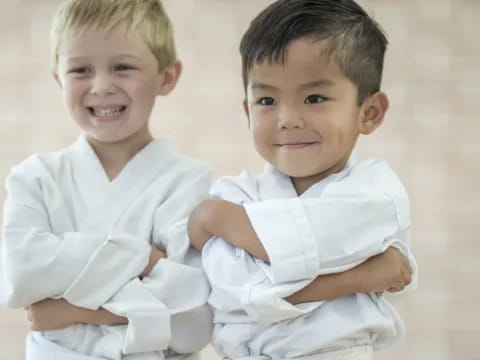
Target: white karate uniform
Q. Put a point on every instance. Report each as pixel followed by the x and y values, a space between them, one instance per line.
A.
pixel 335 225
pixel 69 232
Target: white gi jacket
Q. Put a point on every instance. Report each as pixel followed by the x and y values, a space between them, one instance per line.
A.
pixel 71 232
pixel 335 225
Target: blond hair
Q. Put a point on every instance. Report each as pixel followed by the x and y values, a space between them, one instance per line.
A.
pixel 146 16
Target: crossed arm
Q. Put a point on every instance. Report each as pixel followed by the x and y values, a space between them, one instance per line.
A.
pixel 51 314
pixel 389 271
pixel 30 233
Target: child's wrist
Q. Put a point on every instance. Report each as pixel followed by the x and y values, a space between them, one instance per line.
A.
pixel 355 280
pixel 76 314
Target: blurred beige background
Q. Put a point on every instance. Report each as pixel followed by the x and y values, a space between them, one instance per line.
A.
pixel 430 137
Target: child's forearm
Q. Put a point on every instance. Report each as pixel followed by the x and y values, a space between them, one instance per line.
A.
pixel 326 287
pixel 51 314
pixel 98 317
pixel 388 271
pixel 230 222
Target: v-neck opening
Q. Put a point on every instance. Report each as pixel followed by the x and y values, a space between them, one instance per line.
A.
pixel 274 183
pixel 100 194
pixel 125 169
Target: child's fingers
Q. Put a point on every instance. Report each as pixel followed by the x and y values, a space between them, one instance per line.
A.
pixel 407 276
pixel 406 265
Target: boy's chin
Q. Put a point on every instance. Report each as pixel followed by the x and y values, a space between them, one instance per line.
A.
pixel 309 173
pixel 105 138
pixel 133 136
pixel 297 172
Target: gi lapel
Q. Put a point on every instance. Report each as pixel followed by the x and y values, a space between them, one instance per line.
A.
pixel 105 200
pixel 273 184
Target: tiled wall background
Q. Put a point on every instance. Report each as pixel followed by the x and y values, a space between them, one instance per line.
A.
pixel 430 137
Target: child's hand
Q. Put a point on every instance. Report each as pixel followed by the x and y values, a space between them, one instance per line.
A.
pixel 389 271
pixel 197 232
pixel 51 314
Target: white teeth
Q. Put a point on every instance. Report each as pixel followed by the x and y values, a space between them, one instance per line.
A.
pixel 108 112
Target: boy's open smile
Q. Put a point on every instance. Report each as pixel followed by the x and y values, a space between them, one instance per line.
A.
pixel 106 114
pixel 110 80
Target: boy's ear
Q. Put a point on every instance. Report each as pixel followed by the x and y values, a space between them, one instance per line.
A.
pixel 373 112
pixel 169 77
pixel 57 79
pixel 247 111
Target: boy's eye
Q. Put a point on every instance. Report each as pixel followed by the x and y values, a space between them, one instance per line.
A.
pixel 267 101
pixel 80 70
pixel 314 99
pixel 123 67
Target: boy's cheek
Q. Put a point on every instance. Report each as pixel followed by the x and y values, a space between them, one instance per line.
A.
pixel 72 90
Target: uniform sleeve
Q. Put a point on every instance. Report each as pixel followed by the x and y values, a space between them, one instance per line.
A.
pixel 241 285
pixel 306 238
pixel 335 232
pixel 264 301
pixel 350 222
pixel 37 264
pixel 168 308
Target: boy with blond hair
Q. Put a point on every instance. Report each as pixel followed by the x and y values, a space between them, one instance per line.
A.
pixel 312 71
pixel 94 238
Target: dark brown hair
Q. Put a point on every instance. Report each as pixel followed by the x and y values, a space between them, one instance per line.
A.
pixel 351 37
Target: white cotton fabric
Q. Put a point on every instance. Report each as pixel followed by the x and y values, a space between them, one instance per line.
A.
pixel 356 353
pixel 71 232
pixel 335 225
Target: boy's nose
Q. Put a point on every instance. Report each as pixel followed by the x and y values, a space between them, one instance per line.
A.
pixel 102 85
pixel 290 117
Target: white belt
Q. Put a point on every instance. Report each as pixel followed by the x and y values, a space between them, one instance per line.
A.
pixel 356 353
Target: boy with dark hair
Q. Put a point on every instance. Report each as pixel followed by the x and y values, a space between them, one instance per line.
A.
pixel 312 71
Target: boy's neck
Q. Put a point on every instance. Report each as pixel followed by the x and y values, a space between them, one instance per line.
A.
pixel 302 184
pixel 114 156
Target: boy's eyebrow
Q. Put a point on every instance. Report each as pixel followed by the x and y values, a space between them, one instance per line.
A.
pixel 310 85
pixel 318 84
pixel 81 58
pixel 261 86
pixel 75 58
pixel 127 56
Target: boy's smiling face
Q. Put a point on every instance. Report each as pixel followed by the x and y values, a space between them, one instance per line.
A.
pixel 109 81
pixel 304 116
